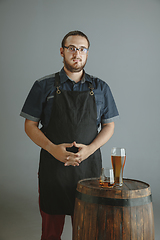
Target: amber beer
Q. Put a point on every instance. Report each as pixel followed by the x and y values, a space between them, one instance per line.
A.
pixel 106 183
pixel 118 163
pixel 106 178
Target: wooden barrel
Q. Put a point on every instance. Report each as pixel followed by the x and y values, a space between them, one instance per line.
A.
pixel 120 213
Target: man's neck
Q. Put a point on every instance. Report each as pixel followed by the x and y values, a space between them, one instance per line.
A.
pixel 75 76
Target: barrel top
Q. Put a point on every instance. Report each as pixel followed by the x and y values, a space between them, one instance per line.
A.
pixel 128 184
pixel 131 187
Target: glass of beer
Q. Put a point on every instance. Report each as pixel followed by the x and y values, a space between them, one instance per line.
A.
pixel 118 159
pixel 107 177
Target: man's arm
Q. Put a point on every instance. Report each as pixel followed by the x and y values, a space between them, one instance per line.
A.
pixel 58 151
pixel 103 137
pixel 86 150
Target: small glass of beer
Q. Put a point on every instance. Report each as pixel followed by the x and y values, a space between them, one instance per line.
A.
pixel 107 177
pixel 118 159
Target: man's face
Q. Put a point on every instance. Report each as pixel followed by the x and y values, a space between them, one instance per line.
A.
pixel 74 62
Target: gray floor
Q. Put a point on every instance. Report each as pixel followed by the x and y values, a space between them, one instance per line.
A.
pixel 20 220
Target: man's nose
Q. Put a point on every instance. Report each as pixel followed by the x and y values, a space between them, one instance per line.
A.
pixel 77 52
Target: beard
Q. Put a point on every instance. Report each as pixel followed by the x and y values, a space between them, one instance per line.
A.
pixel 75 68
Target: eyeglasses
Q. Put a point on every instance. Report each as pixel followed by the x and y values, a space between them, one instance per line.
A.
pixel 72 49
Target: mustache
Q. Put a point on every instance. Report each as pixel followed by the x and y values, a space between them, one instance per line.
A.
pixel 75 58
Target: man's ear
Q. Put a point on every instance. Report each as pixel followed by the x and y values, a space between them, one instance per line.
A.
pixel 61 52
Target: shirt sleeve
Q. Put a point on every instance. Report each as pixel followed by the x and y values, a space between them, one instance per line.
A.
pixel 110 111
pixel 32 108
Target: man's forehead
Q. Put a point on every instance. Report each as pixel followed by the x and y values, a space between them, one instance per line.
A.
pixel 77 41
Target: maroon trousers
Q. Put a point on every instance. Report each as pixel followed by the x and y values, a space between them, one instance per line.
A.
pixel 52 226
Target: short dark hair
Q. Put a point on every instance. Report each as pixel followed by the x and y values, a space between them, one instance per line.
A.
pixel 74 33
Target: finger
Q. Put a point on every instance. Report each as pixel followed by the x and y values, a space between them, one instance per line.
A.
pixel 75 144
pixel 77 158
pixel 75 164
pixel 68 163
pixel 68 145
pixel 73 158
pixel 72 155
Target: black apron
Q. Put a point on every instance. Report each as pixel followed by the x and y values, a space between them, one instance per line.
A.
pixel 73 118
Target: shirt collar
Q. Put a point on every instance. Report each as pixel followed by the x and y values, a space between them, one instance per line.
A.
pixel 64 77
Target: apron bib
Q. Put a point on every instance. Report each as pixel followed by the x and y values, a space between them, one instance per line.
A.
pixel 73 118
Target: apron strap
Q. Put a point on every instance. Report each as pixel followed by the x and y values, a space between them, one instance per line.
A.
pixel 57 84
pixel 91 89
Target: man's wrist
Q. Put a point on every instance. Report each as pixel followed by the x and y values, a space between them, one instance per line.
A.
pixel 49 147
pixel 92 148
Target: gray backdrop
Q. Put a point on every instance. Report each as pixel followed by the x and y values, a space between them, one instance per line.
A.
pixel 125 52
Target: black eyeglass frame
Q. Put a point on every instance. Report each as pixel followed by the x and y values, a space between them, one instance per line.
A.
pixel 85 50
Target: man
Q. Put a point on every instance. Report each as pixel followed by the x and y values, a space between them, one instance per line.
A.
pixel 70 105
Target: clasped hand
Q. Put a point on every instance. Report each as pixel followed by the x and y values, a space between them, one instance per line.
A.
pixel 70 158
